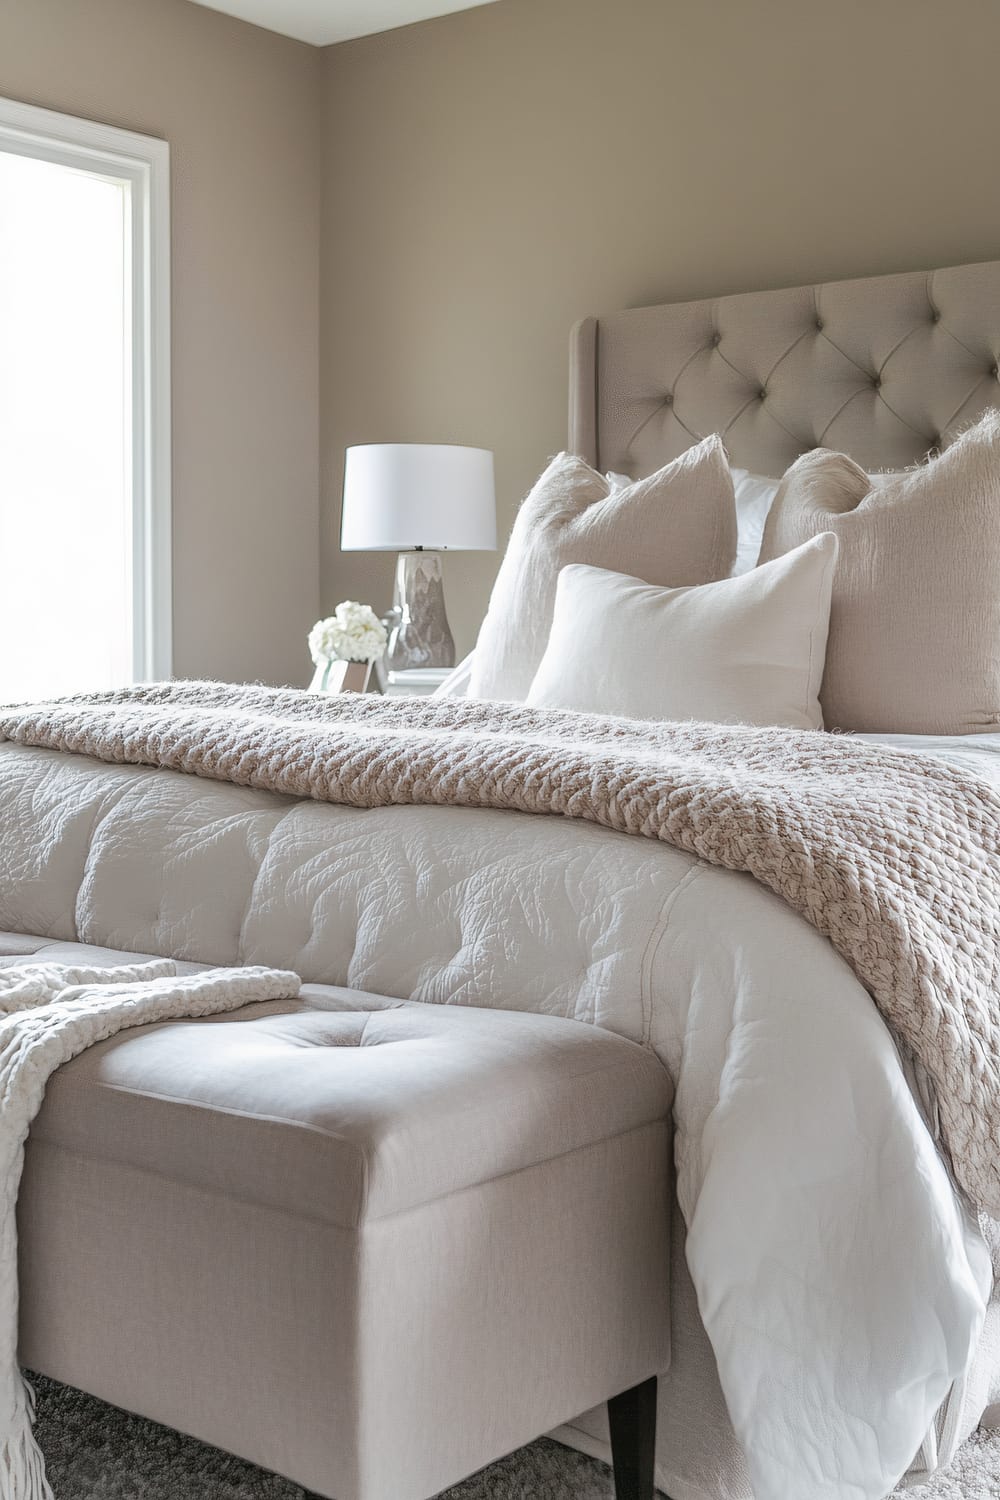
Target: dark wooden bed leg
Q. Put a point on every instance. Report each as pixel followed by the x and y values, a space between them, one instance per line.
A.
pixel 632 1419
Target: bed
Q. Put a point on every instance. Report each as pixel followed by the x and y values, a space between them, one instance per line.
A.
pixel 814 1284
pixel 778 373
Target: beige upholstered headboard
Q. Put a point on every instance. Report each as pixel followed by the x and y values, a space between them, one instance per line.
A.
pixel 886 369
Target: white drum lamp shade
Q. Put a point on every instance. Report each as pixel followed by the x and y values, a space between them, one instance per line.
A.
pixel 418 499
pixel 401 496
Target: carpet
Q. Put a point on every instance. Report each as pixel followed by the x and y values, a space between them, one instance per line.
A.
pixel 96 1452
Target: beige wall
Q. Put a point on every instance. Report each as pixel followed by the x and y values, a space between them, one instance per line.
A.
pixel 240 108
pixel 492 176
pixel 486 179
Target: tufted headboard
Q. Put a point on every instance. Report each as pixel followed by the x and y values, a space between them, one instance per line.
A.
pixel 886 369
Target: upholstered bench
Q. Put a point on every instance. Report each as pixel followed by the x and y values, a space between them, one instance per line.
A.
pixel 371 1249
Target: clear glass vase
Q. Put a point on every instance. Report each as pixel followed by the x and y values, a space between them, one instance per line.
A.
pixel 341 677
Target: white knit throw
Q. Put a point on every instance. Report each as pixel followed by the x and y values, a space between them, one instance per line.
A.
pixel 49 1013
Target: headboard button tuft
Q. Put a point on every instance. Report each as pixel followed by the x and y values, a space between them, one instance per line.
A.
pixel 819 325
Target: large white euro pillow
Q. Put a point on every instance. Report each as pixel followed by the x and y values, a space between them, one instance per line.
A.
pixel 743 650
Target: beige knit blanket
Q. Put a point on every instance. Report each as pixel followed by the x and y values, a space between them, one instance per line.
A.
pixel 895 857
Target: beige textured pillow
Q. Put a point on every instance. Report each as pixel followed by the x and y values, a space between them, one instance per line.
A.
pixel 676 527
pixel 914 642
pixel 745 650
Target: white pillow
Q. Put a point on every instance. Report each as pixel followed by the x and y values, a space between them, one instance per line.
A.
pixel 746 650
pixel 754 497
pixel 456 684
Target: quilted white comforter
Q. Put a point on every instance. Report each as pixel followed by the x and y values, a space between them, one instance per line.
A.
pixel 840 1279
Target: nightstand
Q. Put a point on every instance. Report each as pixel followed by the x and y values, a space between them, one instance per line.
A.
pixel 418 682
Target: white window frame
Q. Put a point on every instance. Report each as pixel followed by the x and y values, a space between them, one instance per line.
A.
pixel 143 162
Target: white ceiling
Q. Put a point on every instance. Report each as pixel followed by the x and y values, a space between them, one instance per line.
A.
pixel 324 21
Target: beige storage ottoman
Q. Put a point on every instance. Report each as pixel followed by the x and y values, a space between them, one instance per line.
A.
pixel 371 1250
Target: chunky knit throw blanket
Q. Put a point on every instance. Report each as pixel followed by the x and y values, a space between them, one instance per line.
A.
pixel 49 1013
pixel 895 857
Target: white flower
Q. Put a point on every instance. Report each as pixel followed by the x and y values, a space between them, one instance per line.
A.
pixel 353 632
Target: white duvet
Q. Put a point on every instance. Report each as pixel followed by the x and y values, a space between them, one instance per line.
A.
pixel 842 1283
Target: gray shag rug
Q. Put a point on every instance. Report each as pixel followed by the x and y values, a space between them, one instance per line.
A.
pixel 96 1452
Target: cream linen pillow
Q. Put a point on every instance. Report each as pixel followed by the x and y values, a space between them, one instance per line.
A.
pixel 676 527
pixel 745 650
pixel 915 623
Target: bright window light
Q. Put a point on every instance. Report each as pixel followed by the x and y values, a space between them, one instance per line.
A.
pixel 65 501
pixel 84 405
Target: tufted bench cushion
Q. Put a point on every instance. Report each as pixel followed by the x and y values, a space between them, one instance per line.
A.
pixel 350 1244
pixel 350 1116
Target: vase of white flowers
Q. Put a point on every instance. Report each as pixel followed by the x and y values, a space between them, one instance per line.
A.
pixel 343 648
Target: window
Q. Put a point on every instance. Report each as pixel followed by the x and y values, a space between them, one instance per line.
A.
pixel 84 405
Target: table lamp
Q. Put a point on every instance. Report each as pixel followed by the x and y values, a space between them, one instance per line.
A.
pixel 418 499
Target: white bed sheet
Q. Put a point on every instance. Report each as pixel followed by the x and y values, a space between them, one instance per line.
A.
pixel 851 1259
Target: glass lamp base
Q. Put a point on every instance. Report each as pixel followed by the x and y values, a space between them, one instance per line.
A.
pixel 422 637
